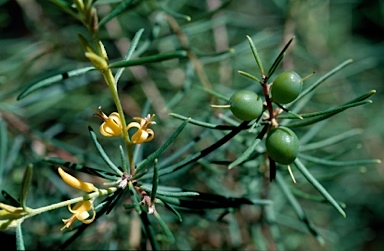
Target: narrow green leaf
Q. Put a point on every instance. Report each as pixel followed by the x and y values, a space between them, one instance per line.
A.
pixel 105 2
pixel 85 44
pixel 149 230
pixel 202 123
pixel 155 181
pixel 256 55
pixel 25 186
pixel 297 208
pixel 129 206
pixel 195 157
pixel 331 140
pixel 159 151
pixel 279 58
pixel 204 152
pixel 19 238
pixel 168 233
pixel 235 235
pixel 173 210
pixel 171 200
pixel 248 75
pixel 362 97
pixel 66 7
pixel 182 150
pixel 114 199
pixel 326 115
pixel 134 198
pixel 323 78
pixel 213 93
pixel 13 153
pixel 123 159
pixel 213 56
pixel 258 237
pixel 318 186
pixel 85 169
pixel 129 53
pixel 247 153
pixel 307 196
pixel 326 162
pixel 116 11
pixel 214 201
pixel 150 59
pixel 45 82
pixel 173 13
pixel 9 199
pixel 294 115
pixel 102 153
pixel 160 190
pixel 328 112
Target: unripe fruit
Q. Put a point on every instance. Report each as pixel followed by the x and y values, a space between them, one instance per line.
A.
pixel 286 87
pixel 282 145
pixel 246 105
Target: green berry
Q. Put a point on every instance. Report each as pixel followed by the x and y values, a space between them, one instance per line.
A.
pixel 282 145
pixel 286 87
pixel 246 105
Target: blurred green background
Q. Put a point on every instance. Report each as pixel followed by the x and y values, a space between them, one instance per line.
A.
pixel 37 39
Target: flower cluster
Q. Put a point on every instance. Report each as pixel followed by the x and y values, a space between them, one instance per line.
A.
pixel 143 133
pixel 80 210
pixel 112 127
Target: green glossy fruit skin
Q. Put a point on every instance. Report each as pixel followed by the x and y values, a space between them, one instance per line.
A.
pixel 282 145
pixel 286 87
pixel 246 105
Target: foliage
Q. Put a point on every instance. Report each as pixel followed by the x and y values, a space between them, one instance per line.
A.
pixel 112 97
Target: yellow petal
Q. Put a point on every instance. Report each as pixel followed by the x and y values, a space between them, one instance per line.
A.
pixel 139 137
pixel 88 221
pixel 133 124
pixel 105 131
pixel 82 215
pixel 76 183
pixel 112 126
pixel 116 118
pixel 151 135
pixel 110 130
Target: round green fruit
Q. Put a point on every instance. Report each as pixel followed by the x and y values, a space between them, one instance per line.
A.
pixel 286 87
pixel 246 105
pixel 282 145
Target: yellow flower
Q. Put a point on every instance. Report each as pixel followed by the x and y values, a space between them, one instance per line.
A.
pixel 143 133
pixel 80 212
pixel 76 183
pixel 112 125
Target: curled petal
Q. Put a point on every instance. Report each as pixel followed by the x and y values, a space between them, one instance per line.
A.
pixel 109 130
pixel 76 183
pixel 115 118
pixel 143 133
pixel 112 125
pixel 89 221
pixel 80 212
pixel 150 136
pixel 133 124
pixel 139 137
